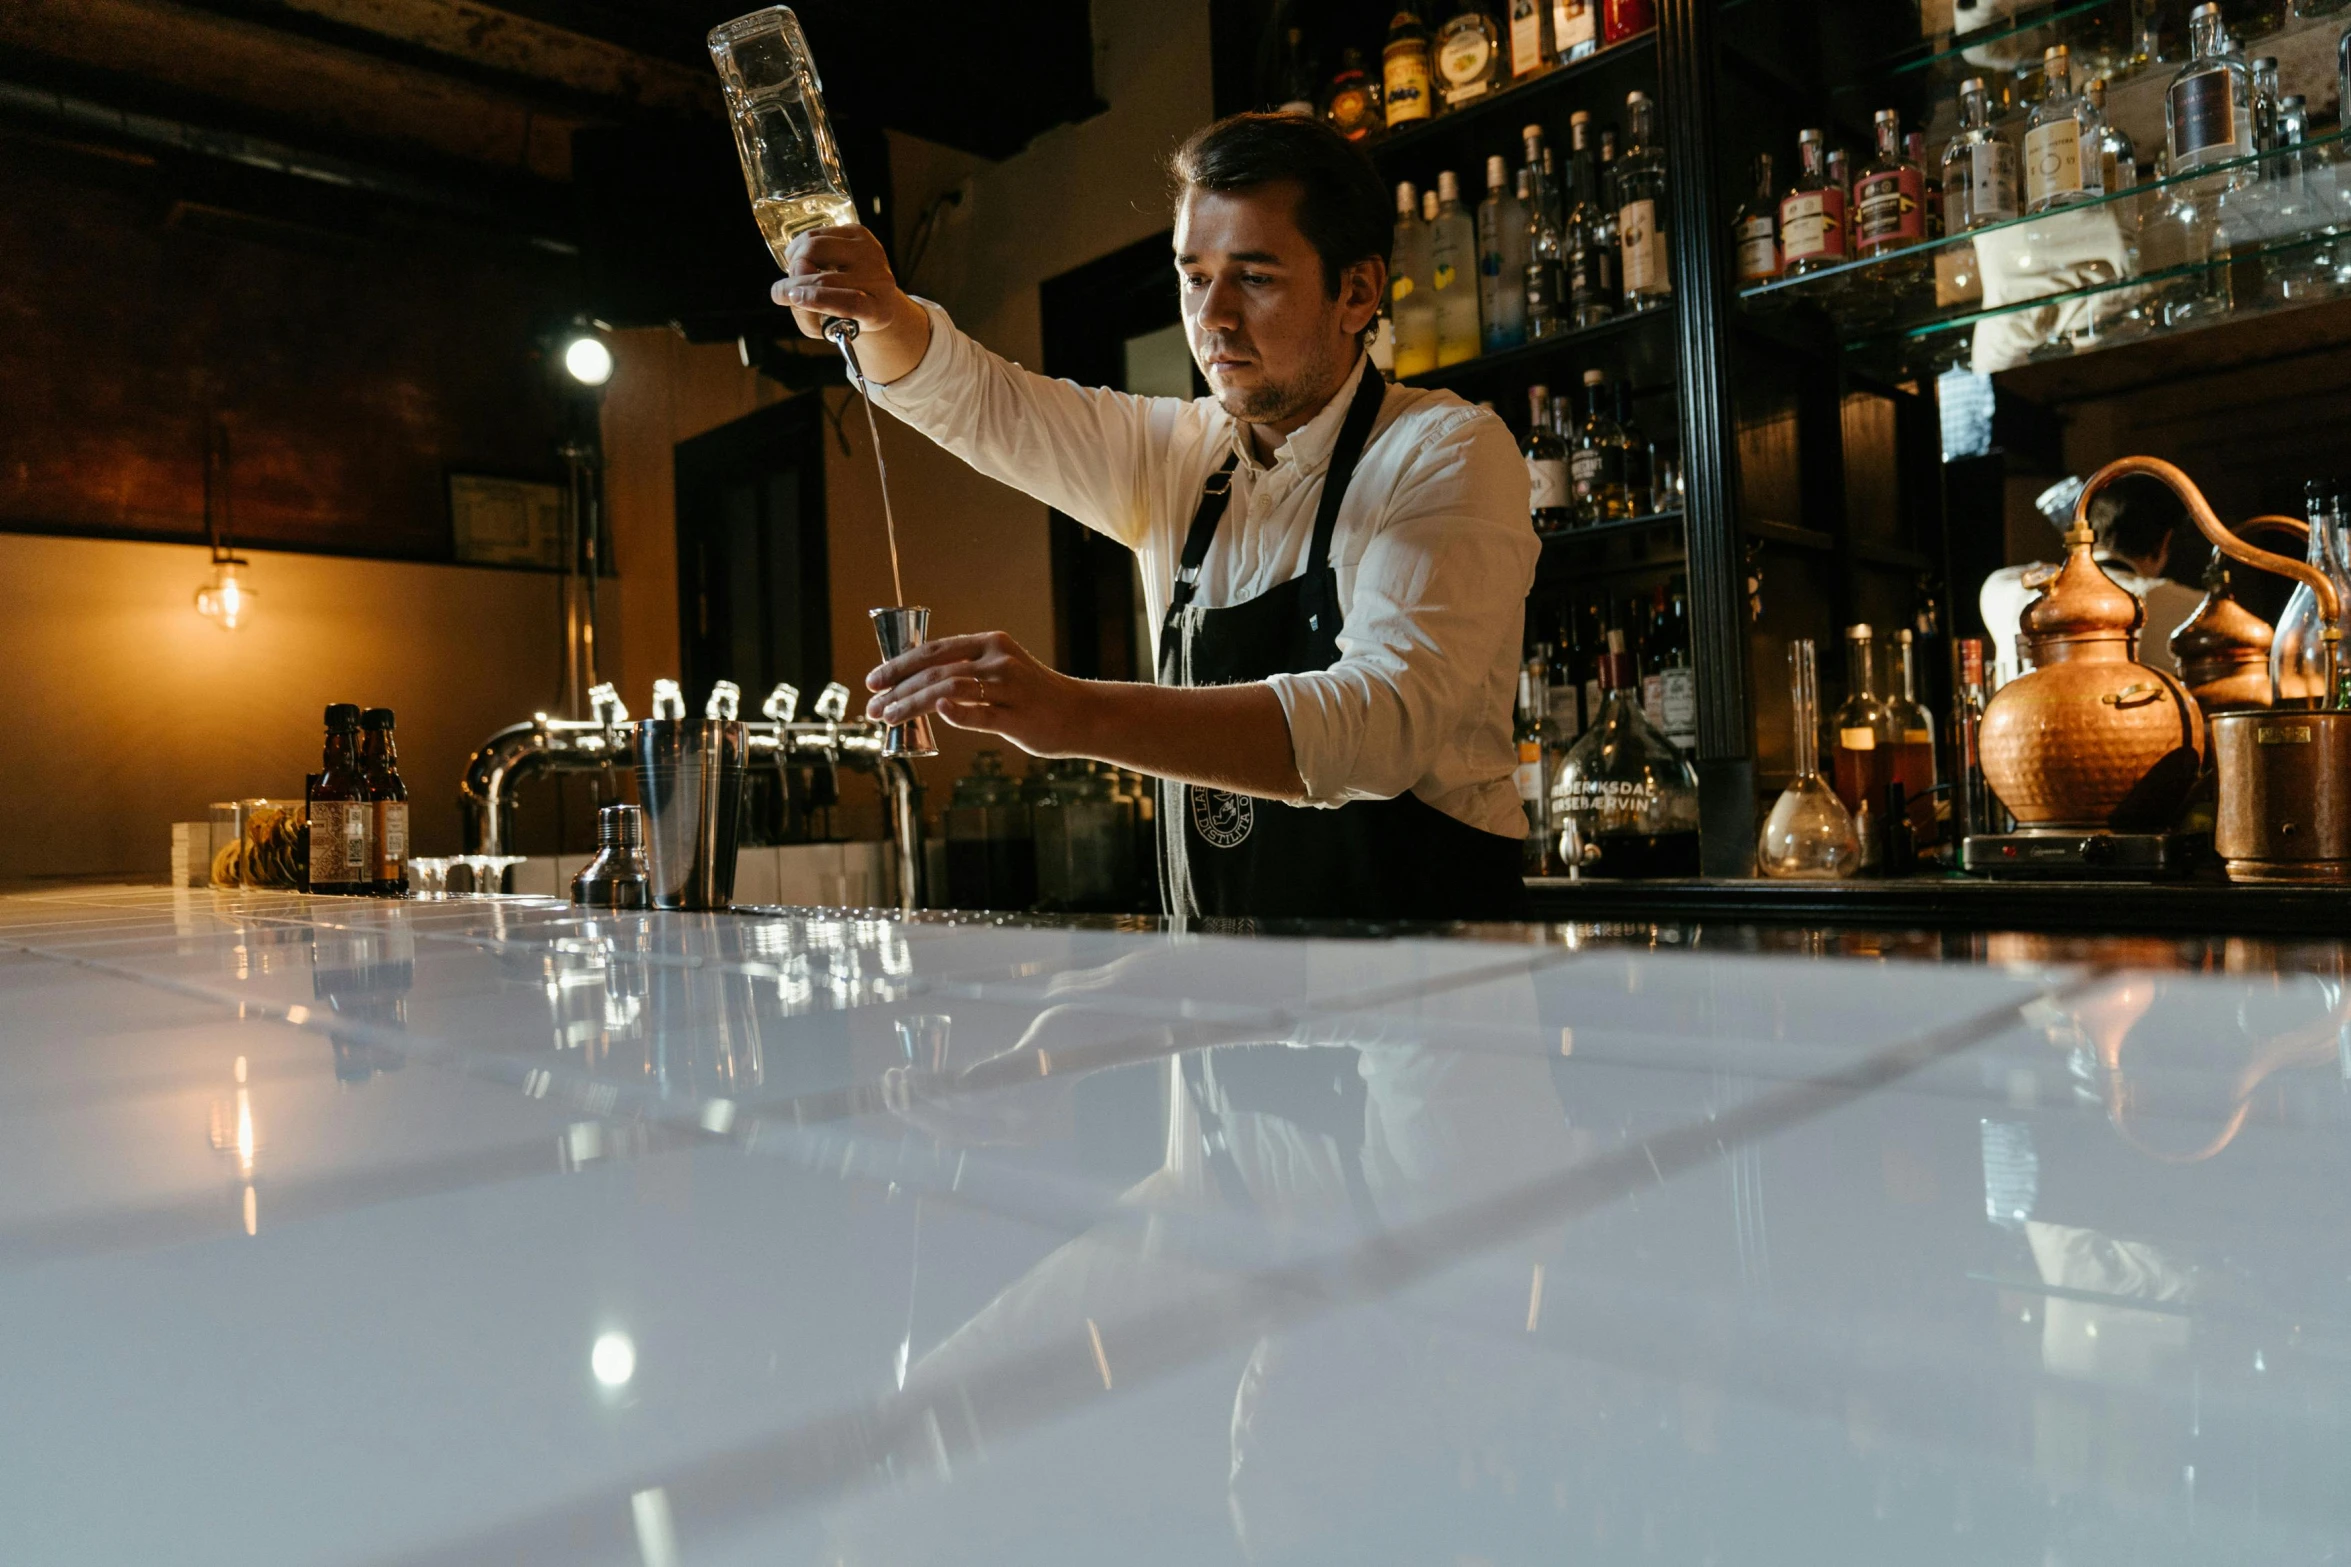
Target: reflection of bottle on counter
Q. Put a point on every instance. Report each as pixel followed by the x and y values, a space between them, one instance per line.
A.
pixel 342 837
pixel 379 760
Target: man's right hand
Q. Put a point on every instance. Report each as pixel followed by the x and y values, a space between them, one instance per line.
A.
pixel 843 272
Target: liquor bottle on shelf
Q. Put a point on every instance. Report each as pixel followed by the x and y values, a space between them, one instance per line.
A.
pixel 2265 103
pixel 1677 676
pixel 1594 638
pixel 1532 48
pixel 1812 213
pixel 1652 664
pixel 1625 801
pixel 1611 251
pixel 1547 477
pixel 1971 797
pixel 1841 176
pixel 1546 309
pixel 1297 76
pixel 1889 194
pixel 1640 196
pixel 1406 74
pixel 1453 273
pixel 1638 461
pixel 1623 19
pixel 1588 270
pixel 1979 168
pixel 1913 729
pixel 1596 468
pixel 1468 54
pixel 342 817
pixel 1576 26
pixel 1502 268
pixel 1914 147
pixel 2208 109
pixel 2118 160
pixel 1353 104
pixel 1563 708
pixel 387 794
pixel 2297 651
pixel 1412 301
pixel 1809 835
pixel 1533 797
pixel 1859 760
pixel 1755 230
pixel 2060 143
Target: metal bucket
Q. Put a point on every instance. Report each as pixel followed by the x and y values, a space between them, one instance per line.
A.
pixel 690 781
pixel 2285 795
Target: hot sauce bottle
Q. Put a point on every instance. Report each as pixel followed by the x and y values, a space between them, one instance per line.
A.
pixel 387 796
pixel 342 819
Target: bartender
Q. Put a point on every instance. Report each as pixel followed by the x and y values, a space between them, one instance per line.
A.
pixel 1338 567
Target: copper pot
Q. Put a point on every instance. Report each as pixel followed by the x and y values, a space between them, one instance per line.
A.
pixel 2285 796
pixel 2223 648
pixel 2090 737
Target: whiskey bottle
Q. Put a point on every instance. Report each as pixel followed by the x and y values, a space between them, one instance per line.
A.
pixel 1889 196
pixel 1547 477
pixel 1405 71
pixel 1532 47
pixel 1640 195
pixel 1468 55
pixel 2060 144
pixel 1527 731
pixel 387 794
pixel 1412 296
pixel 1979 169
pixel 1546 310
pixel 1576 26
pixel 1755 229
pixel 1595 469
pixel 1453 272
pixel 1912 727
pixel 1860 761
pixel 1352 104
pixel 342 843
pixel 1502 267
pixel 2118 160
pixel 2208 109
pixel 1638 461
pixel 1588 268
pixel 1812 214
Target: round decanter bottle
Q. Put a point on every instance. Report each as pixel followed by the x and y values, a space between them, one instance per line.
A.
pixel 1625 798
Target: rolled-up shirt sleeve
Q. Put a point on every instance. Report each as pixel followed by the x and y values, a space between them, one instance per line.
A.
pixel 1087 451
pixel 1438 598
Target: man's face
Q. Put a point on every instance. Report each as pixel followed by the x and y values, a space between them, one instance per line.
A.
pixel 1263 327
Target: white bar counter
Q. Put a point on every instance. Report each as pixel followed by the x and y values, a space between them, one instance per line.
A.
pixel 482 1230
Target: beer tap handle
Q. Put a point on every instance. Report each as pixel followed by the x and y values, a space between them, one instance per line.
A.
pixel 668 700
pixel 782 703
pixel 605 705
pixel 832 705
pixel 726 701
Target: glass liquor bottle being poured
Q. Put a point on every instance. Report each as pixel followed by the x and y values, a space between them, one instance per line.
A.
pixel 1809 835
pixel 1625 800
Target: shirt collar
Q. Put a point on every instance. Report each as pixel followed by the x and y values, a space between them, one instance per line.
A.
pixel 1308 448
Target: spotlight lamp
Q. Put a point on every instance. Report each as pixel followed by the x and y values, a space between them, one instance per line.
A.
pixel 586 359
pixel 227 600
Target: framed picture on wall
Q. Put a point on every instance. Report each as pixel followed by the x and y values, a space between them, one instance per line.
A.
pixel 506 522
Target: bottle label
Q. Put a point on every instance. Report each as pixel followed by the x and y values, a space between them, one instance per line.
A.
pixel 1548 476
pixel 1442 276
pixel 1562 714
pixel 1991 183
pixel 1918 737
pixel 1405 69
pixel 2203 119
pixel 2052 160
pixel 1759 250
pixel 1584 470
pixel 1578 29
pixel 1464 55
pixel 1678 707
pixel 391 825
pixel 1529 774
pixel 1526 37
pixel 1653 698
pixel 340 851
pixel 1812 226
pixel 1859 739
pixel 1350 112
pixel 1888 210
pixel 1644 248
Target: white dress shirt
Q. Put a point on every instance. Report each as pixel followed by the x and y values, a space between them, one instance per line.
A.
pixel 1434 550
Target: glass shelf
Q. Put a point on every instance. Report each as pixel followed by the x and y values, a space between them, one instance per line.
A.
pixel 2246 236
pixel 1504 110
pixel 1505 363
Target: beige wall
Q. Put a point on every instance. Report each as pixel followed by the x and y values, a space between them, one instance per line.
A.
pixel 122 710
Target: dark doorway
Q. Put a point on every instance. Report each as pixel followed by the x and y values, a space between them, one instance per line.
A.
pixel 1113 322
pixel 754 602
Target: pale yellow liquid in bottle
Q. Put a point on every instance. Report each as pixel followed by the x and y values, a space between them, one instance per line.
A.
pixel 781 221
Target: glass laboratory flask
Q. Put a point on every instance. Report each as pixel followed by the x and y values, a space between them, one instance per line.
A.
pixel 1809 835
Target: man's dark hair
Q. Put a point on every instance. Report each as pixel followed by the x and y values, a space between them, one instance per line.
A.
pixel 2134 517
pixel 1344 209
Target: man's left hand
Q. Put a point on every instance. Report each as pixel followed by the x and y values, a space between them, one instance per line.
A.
pixel 988 682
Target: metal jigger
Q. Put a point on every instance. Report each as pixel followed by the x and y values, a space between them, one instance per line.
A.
pixel 901 630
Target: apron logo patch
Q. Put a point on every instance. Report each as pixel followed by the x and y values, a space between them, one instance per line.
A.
pixel 1222 820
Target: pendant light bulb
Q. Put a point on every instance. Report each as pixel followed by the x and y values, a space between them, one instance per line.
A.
pixel 227 600
pixel 587 360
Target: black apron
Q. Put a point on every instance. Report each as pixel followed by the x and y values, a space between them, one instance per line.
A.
pixel 1236 856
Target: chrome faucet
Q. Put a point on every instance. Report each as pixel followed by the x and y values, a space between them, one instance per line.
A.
pixel 602 744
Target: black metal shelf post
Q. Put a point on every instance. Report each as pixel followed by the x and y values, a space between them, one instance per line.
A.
pixel 1686 56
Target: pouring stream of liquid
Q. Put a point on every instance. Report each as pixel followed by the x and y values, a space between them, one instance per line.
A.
pixel 889 520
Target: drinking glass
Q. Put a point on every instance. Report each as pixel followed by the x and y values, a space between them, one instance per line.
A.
pixel 1809 835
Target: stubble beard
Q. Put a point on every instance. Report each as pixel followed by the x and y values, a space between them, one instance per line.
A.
pixel 1271 402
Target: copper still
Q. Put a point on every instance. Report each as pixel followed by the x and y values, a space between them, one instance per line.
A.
pixel 2091 738
pixel 2223 648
